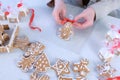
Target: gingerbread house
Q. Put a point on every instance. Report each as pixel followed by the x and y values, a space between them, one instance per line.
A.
pixel 23 10
pixel 2 15
pixel 13 18
pixel 13 32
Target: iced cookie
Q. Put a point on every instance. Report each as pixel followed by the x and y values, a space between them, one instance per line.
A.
pixel 26 63
pixel 82 67
pixel 106 70
pixel 61 67
pixel 42 63
pixel 66 31
pixel 35 76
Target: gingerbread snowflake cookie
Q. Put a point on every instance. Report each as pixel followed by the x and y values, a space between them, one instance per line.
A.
pixel 105 55
pixel 61 67
pixel 35 49
pixel 66 31
pixel 82 67
pixel 106 70
pixel 42 63
pixel 35 76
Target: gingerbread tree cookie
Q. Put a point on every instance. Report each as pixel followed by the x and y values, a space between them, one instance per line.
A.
pixel 42 63
pixel 26 63
pixel 106 70
pixel 61 67
pixel 66 31
pixel 35 76
pixel 81 67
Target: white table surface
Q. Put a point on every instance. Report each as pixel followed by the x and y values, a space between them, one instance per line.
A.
pixel 84 44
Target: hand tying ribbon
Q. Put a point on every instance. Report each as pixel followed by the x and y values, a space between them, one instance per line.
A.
pixel 67 20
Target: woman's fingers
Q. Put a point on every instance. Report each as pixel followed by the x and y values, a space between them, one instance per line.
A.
pixel 78 17
pixel 83 25
pixel 57 17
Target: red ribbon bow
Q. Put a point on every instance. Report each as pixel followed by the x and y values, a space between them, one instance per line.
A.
pixel 67 20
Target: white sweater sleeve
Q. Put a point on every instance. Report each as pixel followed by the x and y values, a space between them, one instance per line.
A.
pixel 104 7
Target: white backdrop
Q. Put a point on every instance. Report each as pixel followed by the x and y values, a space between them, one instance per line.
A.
pixel 85 43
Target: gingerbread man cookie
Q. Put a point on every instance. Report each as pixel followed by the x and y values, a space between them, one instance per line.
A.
pixel 26 63
pixel 106 70
pixel 61 67
pixel 42 63
pixel 81 67
pixel 35 49
pixel 66 31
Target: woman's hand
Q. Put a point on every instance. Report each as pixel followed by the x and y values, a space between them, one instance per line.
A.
pixel 88 16
pixel 59 11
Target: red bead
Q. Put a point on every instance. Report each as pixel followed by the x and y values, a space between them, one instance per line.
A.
pixel 19 5
pixel 7 13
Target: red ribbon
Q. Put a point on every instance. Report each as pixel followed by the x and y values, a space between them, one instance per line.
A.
pixel 67 20
pixel 116 78
pixel 31 20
